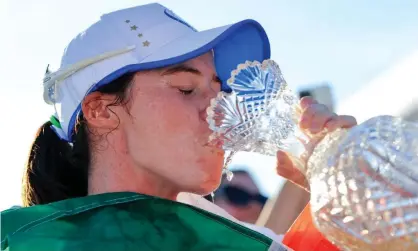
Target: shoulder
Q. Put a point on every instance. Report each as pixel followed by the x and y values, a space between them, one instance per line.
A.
pixel 123 221
pixel 52 220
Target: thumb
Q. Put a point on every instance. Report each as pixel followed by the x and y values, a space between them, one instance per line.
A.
pixel 287 170
pixel 284 164
pixel 283 158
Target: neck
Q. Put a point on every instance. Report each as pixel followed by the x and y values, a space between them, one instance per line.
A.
pixel 115 171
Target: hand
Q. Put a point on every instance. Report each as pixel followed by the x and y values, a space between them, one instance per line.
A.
pixel 315 118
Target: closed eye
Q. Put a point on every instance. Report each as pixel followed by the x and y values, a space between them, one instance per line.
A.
pixel 186 92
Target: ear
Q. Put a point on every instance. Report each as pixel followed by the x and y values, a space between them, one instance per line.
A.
pixel 96 111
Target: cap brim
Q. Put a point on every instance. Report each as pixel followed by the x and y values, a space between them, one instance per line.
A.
pixel 232 44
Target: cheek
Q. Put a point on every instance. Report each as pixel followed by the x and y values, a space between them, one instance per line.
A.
pixel 174 121
pixel 165 126
pixel 167 136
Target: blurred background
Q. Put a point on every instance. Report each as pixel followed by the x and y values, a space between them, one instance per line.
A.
pixel 358 57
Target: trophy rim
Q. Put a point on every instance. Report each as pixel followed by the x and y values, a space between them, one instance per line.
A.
pixel 223 133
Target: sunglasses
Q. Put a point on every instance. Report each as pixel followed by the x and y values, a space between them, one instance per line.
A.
pixel 240 197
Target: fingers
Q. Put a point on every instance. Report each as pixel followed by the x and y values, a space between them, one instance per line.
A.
pixel 342 121
pixel 284 163
pixel 316 118
pixel 305 102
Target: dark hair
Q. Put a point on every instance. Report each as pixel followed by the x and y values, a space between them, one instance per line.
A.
pixel 56 170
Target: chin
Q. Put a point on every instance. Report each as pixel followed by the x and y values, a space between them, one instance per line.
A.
pixel 208 182
pixel 211 184
pixel 209 187
pixel 207 173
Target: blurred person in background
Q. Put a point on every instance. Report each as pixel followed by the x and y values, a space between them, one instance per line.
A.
pixel 241 197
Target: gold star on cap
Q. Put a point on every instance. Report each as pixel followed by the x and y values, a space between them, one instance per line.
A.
pixel 127 21
pixel 146 43
pixel 134 27
pixel 140 35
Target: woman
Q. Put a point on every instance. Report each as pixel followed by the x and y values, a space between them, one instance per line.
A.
pixel 130 134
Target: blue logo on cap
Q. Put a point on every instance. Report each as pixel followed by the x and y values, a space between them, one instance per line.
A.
pixel 173 16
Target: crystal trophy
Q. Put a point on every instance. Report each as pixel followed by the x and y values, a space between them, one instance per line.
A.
pixel 363 180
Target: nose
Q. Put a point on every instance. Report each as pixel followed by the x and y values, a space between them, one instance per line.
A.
pixel 208 95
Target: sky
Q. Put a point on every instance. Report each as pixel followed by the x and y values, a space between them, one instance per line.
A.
pixel 347 43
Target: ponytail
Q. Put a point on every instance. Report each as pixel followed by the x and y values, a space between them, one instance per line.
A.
pixel 55 170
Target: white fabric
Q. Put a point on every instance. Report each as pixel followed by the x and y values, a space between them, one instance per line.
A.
pixel 202 203
pixel 113 32
pixel 156 34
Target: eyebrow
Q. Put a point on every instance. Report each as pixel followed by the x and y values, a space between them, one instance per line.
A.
pixel 185 68
pixel 181 68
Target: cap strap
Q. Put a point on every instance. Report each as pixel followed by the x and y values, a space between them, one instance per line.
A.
pixel 51 80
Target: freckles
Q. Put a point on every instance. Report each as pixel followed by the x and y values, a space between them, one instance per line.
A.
pixel 179 117
pixel 167 115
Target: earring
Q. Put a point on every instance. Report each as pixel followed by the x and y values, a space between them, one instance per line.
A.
pixel 229 174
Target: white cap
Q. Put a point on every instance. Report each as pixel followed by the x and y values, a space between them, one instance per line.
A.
pixel 142 38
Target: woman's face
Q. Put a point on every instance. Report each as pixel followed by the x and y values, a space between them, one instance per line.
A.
pixel 166 131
